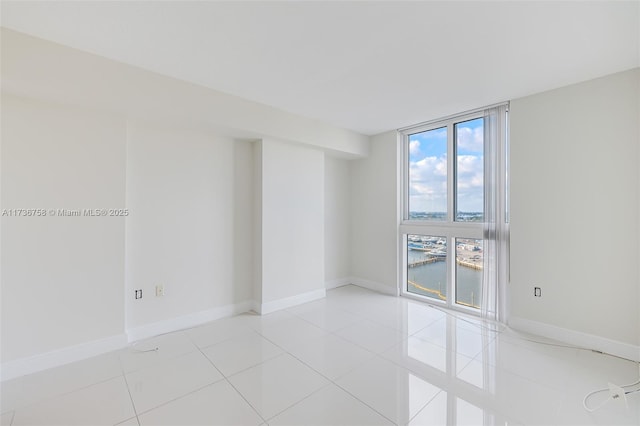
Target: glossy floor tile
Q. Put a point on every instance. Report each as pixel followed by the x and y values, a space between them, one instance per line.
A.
pixel 217 331
pixel 157 385
pixel 27 390
pixel 240 353
pixel 371 335
pixel 355 357
pixel 330 355
pixel 391 390
pixel 290 332
pixel 155 351
pixel 105 403
pixel 329 406
pixel 217 404
pixel 424 358
pixel 323 316
pixel 133 421
pixel 277 384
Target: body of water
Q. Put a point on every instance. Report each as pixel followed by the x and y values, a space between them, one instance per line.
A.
pixel 431 280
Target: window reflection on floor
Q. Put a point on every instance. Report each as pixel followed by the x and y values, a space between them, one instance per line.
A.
pixel 457 355
pixel 468 414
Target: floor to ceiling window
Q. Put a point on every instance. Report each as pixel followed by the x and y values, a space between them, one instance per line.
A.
pixel 455 227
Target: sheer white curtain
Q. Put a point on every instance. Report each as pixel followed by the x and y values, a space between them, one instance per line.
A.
pixel 496 228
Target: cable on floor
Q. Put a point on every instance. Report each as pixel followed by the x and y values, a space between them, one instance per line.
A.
pixel 590 394
pixel 132 346
pixel 142 351
pixel 609 398
pixel 506 327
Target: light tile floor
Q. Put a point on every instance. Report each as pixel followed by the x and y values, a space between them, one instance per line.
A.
pixel 355 357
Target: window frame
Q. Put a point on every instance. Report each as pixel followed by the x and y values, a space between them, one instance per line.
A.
pixel 449 228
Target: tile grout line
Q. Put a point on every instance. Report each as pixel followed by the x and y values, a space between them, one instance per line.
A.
pixel 330 382
pixel 179 397
pixel 426 405
pixel 245 400
pixel 216 343
pixel 197 349
pixel 359 318
pixel 133 404
pixel 364 403
pixel 231 384
pixel 183 332
pixel 375 355
pixel 126 382
pixel 253 365
pixel 285 351
pixel 298 402
pixel 49 398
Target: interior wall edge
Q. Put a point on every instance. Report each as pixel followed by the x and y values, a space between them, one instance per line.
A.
pixel 376 286
pixel 187 321
pixel 33 364
pixel 338 282
pixel 288 302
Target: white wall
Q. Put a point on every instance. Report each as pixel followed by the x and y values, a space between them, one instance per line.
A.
pixel 67 282
pixel 243 221
pixel 337 221
pixel 574 180
pixel 257 224
pixel 194 219
pixel 37 68
pixel 574 208
pixel 62 277
pixel 200 198
pixel 292 234
pixel 374 215
pixel 183 193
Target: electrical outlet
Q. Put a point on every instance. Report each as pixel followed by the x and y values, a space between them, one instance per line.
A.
pixel 138 294
pixel 159 290
pixel 537 292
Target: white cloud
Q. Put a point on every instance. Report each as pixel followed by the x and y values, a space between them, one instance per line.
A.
pixel 428 184
pixel 428 189
pixel 470 169
pixel 414 147
pixel 470 139
pixel 470 182
pixel 428 176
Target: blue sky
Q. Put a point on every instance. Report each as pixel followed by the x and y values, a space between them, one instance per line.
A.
pixel 428 168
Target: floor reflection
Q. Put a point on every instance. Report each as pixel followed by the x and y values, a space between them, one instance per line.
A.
pixel 458 355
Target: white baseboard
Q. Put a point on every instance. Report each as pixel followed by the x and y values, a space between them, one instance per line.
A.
pixel 577 338
pixel 338 282
pixel 33 364
pixel 287 302
pixel 187 321
pixel 375 286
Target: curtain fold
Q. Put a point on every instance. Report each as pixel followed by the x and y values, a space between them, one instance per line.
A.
pixel 496 226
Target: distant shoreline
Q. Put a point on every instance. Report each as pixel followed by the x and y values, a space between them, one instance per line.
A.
pixel 477 266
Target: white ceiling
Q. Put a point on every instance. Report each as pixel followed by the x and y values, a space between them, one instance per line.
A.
pixel 365 66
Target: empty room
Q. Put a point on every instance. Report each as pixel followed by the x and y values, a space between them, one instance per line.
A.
pixel 320 213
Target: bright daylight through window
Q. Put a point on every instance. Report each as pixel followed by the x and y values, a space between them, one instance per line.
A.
pixel 444 231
